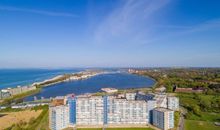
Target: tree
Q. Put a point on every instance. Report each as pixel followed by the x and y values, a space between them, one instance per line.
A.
pixel 196 110
pixel 205 104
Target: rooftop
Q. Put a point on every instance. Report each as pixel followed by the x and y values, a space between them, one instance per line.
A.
pixel 162 109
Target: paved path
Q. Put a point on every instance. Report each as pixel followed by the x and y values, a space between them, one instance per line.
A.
pixel 183 112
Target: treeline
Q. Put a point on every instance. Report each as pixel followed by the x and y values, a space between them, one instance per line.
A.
pixel 198 105
pixel 206 78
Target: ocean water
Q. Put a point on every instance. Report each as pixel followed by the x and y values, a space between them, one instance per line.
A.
pixel 94 84
pixel 14 77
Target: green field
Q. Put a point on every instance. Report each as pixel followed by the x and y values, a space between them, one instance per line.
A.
pixel 200 125
pixel 39 123
pixel 115 129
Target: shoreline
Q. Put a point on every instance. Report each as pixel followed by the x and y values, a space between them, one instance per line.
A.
pixel 13 94
pixel 74 77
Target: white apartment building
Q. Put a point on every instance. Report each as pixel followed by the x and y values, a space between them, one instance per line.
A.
pixel 89 110
pixel 123 111
pixel 130 96
pixel 58 117
pixel 161 100
pixel 84 110
pixel 173 103
pixel 163 118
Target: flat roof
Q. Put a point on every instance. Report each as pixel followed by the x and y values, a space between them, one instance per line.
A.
pixel 162 109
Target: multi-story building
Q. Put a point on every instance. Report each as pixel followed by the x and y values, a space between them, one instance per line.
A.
pixel 84 110
pixel 161 100
pixel 5 94
pixel 123 111
pixel 130 96
pixel 89 110
pixel 173 103
pixel 59 117
pixel 15 91
pixel 151 104
pixel 163 118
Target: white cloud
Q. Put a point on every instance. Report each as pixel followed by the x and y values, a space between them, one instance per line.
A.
pixel 42 12
pixel 127 20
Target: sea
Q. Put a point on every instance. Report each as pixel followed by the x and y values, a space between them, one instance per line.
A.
pixel 115 79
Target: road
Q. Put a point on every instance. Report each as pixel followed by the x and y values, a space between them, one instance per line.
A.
pixel 181 121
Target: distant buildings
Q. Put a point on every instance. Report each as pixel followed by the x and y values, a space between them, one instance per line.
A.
pixel 5 93
pixel 109 90
pixel 132 108
pixel 189 90
pixel 163 118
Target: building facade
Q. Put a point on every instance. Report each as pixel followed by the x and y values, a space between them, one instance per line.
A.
pixel 163 118
pixel 85 110
pixel 89 110
pixel 123 111
pixel 58 117
pixel 173 103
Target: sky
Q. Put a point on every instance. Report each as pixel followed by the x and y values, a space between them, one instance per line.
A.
pixel 109 33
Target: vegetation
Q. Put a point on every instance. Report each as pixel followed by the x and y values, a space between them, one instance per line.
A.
pixel 176 118
pixel 115 129
pixel 201 106
pixel 200 125
pixel 19 98
pixel 207 78
pixel 203 109
pixel 40 123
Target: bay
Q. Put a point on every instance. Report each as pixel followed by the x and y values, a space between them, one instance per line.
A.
pixel 94 84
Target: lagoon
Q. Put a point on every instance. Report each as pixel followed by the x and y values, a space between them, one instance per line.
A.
pixel 94 84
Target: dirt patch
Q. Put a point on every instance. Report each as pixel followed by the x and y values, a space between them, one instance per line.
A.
pixel 201 123
pixel 11 118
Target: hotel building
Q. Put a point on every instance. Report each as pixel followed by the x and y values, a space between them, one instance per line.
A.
pixel 173 103
pixel 59 117
pixel 163 118
pixel 88 110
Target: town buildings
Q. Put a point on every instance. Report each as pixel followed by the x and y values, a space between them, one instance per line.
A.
pixel 130 109
pixel 109 90
pixel 5 93
pixel 163 118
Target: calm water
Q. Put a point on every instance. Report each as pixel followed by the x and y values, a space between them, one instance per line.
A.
pixel 14 77
pixel 94 84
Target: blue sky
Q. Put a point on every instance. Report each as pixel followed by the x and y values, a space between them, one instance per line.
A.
pixel 109 33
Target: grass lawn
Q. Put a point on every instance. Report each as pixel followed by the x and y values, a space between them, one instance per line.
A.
pixel 115 129
pixel 200 125
pixel 205 116
pixel 39 122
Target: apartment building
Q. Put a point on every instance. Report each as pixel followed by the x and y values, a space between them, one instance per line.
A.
pixel 173 103
pixel 15 91
pixel 163 118
pixel 161 100
pixel 58 117
pixel 4 93
pixel 130 96
pixel 124 111
pixel 85 110
pixel 89 110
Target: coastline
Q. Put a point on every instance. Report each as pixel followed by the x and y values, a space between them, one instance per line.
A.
pixel 74 77
pixel 13 94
